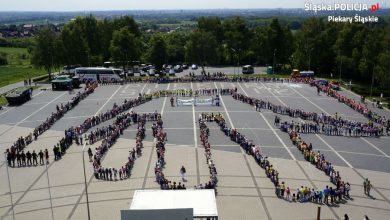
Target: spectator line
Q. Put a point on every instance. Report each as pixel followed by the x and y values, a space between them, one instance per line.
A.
pixel 384 197
pixel 259 194
pixel 319 137
pixel 365 140
pixel 272 129
pixel 153 145
pixel 91 177
pixel 20 122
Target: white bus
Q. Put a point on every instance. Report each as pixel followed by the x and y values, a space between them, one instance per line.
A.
pixel 248 69
pixel 100 74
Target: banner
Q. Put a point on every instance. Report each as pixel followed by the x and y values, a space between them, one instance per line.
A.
pixel 185 102
pixel 196 101
pixel 204 101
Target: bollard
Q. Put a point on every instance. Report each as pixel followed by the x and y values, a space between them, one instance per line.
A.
pixel 319 213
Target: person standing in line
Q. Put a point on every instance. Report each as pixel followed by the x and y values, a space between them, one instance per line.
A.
pixel 368 186
pixel 35 158
pixel 183 172
pixel 90 154
pixel 47 156
pixel 41 157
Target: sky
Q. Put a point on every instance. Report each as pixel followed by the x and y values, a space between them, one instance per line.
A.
pixel 102 5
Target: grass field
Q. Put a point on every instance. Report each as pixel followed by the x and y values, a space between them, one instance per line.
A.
pixel 18 68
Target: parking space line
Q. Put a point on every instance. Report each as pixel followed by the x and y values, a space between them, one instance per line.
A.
pixel 358 153
pixel 358 173
pixel 91 177
pixel 334 151
pixel 195 142
pixel 285 146
pixel 272 129
pixel 260 195
pixel 372 145
pixel 319 137
pixel 20 122
pixel 107 101
pixel 362 138
pixel 6 111
pixel 151 151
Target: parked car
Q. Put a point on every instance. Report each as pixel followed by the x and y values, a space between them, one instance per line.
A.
pixel 178 69
pixel 335 85
pixel 171 72
pixel 194 67
pixel 143 73
pixel 322 82
pixel 152 72
pixel 185 67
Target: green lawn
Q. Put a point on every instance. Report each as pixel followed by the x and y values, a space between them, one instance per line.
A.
pixel 18 68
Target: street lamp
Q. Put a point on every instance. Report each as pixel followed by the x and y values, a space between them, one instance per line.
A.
pixel 273 66
pixel 9 185
pixel 234 66
pixel 85 179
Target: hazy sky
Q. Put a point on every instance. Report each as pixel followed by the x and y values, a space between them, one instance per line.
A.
pixel 88 5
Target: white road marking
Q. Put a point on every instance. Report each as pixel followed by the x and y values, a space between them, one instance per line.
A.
pixel 107 101
pixel 20 122
pixel 38 93
pixel 372 145
pixel 334 151
pixel 319 137
pixel 6 111
pixel 273 130
pixel 195 135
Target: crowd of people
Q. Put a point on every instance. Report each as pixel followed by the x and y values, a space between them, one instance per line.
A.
pixel 248 147
pixel 303 194
pixel 208 77
pixel 318 159
pixel 355 105
pixel 61 109
pixel 191 93
pixel 204 138
pixel 75 133
pixel 341 126
pixel 113 132
pixel 328 129
pixel 21 159
pixel 160 138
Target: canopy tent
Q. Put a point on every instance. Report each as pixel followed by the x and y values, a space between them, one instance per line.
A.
pixel 202 202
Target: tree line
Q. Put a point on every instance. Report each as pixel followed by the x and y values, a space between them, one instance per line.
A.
pixel 355 50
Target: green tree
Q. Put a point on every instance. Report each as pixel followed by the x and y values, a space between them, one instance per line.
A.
pixel 158 51
pixel 382 68
pixel 212 25
pixel 129 23
pixel 237 38
pixel 44 51
pixel 201 48
pixel 124 46
pixel 175 47
pixel 76 49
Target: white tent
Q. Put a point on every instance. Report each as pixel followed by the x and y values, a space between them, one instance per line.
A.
pixel 202 201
